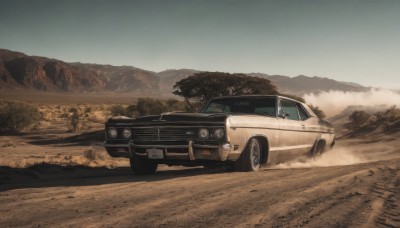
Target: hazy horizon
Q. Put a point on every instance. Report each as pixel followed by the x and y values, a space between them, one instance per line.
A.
pixel 352 41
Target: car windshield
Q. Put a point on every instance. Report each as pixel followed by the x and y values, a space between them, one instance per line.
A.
pixel 260 106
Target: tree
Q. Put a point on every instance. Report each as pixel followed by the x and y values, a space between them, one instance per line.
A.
pixel 203 86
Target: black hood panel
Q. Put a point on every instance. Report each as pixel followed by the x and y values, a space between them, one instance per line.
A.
pixel 172 119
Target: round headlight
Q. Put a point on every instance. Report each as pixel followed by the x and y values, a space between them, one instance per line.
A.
pixel 112 133
pixel 127 133
pixel 218 133
pixel 203 133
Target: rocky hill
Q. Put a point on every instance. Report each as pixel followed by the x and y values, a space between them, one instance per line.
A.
pixel 169 77
pixel 304 84
pixel 18 70
pixel 39 73
pixel 288 85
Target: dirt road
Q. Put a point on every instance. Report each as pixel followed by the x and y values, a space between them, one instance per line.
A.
pixel 362 194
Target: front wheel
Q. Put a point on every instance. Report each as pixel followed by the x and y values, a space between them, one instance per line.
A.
pixel 250 159
pixel 143 166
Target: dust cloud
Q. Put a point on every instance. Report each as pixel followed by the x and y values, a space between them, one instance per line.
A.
pixel 335 157
pixel 334 102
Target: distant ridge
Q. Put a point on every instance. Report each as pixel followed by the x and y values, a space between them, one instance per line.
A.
pixel 18 70
pixel 304 84
pixel 44 74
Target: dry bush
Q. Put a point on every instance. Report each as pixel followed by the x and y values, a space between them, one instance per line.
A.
pixel 359 118
pixel 73 109
pixel 317 111
pixel 75 121
pixel 150 106
pixel 18 116
pixel 64 115
pixel 92 154
pixel 88 109
pixel 365 123
pixel 118 110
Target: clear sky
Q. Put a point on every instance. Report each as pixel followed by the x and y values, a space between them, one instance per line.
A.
pixel 349 40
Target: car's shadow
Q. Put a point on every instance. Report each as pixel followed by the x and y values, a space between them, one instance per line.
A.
pixel 50 175
pixel 60 138
pixel 83 139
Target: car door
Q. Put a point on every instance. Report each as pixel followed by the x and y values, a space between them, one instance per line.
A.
pixel 292 132
pixel 309 125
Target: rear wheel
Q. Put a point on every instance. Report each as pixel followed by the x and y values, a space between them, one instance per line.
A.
pixel 143 166
pixel 318 148
pixel 250 159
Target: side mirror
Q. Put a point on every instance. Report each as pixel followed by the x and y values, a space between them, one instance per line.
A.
pixel 284 115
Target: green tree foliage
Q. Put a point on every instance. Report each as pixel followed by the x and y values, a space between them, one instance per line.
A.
pixel 17 116
pixel 203 86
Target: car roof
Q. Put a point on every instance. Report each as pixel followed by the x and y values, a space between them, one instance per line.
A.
pixel 308 109
pixel 255 96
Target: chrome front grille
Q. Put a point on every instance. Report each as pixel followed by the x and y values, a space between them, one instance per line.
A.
pixel 163 134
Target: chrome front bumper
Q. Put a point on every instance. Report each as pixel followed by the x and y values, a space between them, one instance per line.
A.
pixel 118 150
pixel 189 152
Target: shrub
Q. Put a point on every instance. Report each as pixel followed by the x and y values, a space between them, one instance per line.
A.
pixel 92 154
pixel 88 109
pixel 17 116
pixel 359 118
pixel 317 111
pixel 150 106
pixel 73 109
pixel 118 110
pixel 132 111
pixel 64 115
pixel 75 121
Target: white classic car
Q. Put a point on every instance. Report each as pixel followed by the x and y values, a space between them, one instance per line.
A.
pixel 245 131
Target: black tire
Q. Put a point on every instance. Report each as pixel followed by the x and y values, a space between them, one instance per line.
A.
pixel 318 148
pixel 250 159
pixel 143 166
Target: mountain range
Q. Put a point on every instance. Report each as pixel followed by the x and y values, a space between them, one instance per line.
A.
pixel 18 70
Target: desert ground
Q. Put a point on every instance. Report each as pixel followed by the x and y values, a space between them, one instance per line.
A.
pixel 55 177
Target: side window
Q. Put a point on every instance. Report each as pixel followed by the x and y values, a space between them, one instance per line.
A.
pixel 215 107
pixel 302 113
pixel 290 108
pixel 265 107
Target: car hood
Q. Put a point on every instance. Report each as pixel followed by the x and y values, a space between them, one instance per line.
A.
pixel 172 118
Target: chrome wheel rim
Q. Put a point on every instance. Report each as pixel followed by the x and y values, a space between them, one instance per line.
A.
pixel 255 154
